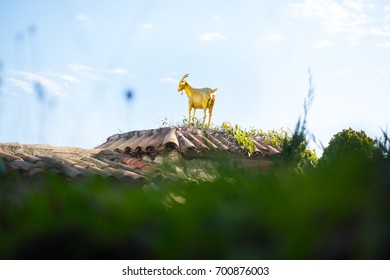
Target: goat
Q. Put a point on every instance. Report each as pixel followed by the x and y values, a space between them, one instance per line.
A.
pixel 198 98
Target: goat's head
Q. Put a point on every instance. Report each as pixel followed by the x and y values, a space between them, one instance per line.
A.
pixel 182 83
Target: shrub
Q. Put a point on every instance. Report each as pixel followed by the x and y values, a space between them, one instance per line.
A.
pixel 348 143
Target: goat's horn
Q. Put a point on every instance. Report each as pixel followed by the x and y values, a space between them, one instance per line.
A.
pixel 185 76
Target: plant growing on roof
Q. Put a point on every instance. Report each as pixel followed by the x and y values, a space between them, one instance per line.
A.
pixel 198 98
pixel 241 135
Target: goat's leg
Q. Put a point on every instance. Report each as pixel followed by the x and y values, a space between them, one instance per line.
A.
pixel 210 114
pixel 193 117
pixel 204 117
pixel 189 114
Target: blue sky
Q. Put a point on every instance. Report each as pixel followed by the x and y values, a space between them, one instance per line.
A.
pixel 66 66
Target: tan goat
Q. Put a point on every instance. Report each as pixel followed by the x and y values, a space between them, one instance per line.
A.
pixel 198 98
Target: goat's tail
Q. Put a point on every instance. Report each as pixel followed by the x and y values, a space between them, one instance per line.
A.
pixel 210 102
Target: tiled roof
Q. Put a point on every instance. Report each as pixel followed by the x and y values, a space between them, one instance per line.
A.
pixel 33 160
pixel 187 141
pixel 133 156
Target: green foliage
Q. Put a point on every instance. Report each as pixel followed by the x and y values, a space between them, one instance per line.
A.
pixel 294 148
pixel 300 156
pixel 197 123
pixel 296 153
pixel 184 123
pixel 241 135
pixel 164 122
pixel 276 137
pixel 348 143
pixel 340 212
pixel 382 146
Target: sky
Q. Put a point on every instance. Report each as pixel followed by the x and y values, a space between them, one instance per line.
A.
pixel 73 73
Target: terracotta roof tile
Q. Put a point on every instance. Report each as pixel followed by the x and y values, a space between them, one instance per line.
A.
pixel 228 141
pixel 24 165
pixel 184 143
pixel 206 141
pixel 198 144
pixel 32 160
pixel 95 162
pixel 155 143
pixel 115 144
pixel 106 144
pixel 170 138
pixel 35 171
pixel 135 163
pixel 132 156
pixel 122 147
pixel 28 158
pixel 9 157
pixel 218 143
pixel 100 172
pixel 185 140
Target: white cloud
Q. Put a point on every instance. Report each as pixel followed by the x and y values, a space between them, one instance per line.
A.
pixel 23 85
pixel 82 17
pixel 85 20
pixel 80 68
pixel 384 44
pixel 385 71
pixel 387 12
pixel 217 18
pixel 96 74
pixel 345 71
pixel 381 32
pixel 211 36
pixel 348 17
pixel 169 80
pixel 144 27
pixel 86 71
pixel 70 79
pixel 47 84
pixel 322 44
pixel 357 5
pixel 118 70
pixel 272 37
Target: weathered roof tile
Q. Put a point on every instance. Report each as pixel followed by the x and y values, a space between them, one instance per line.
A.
pixel 218 143
pixel 98 163
pixel 28 158
pixel 122 147
pixel 35 171
pixel 24 165
pixel 131 156
pixel 9 157
pixel 116 144
pixel 185 144
pixel 198 144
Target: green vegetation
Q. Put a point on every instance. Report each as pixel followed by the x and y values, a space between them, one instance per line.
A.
pixel 241 135
pixel 294 145
pixel 341 211
pixel 348 143
pixel 298 209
